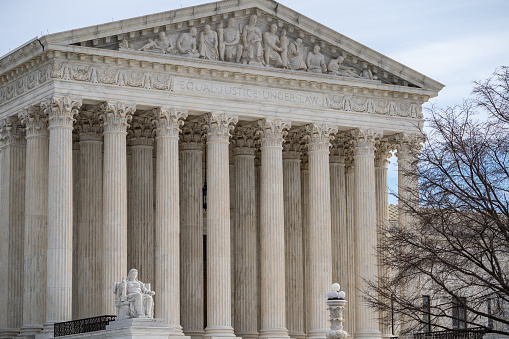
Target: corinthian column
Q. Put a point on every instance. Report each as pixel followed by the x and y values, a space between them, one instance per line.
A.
pixel 61 112
pixel 351 238
pixel 90 217
pixel 294 262
pixel 319 273
pixel 12 220
pixel 365 219
pixel 36 218
pixel 382 213
pixel 115 117
pixel 304 179
pixel 191 231
pixel 218 226
pixel 167 269
pixel 245 235
pixel 140 225
pixel 272 233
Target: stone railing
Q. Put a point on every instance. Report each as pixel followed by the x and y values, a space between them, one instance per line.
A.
pixel 82 325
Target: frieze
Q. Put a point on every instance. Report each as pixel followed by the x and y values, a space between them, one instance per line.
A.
pixel 389 107
pixel 25 83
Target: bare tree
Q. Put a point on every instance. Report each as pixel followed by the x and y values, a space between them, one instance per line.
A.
pixel 455 248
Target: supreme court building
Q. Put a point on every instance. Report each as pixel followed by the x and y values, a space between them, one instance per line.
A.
pixel 235 153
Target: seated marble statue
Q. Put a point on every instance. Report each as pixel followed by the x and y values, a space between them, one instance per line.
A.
pixel 316 61
pixel 336 67
pixel 132 298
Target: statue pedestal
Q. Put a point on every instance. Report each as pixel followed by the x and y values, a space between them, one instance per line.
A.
pixel 133 328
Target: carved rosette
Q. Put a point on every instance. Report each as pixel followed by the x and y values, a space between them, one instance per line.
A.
pixel 115 116
pixel 337 150
pixel 61 111
pixel 168 121
pixel 191 137
pixel 364 141
pixel 272 132
pixel 35 120
pixel 383 150
pixel 244 141
pixel 319 136
pixel 11 132
pixel 408 146
pixel 219 126
pixel 141 132
pixel 88 125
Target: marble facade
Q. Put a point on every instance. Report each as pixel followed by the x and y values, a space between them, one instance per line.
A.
pixel 108 136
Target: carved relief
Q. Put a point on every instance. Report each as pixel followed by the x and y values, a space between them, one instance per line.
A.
pixel 316 61
pixel 373 106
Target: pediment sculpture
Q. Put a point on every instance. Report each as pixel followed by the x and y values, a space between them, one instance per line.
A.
pixel 253 43
pixel 133 299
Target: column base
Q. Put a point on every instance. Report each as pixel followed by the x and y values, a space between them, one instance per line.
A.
pixel 267 333
pixel 47 331
pixel 30 331
pixel 219 332
pixel 297 335
pixel 196 334
pixel 367 334
pixel 9 333
pixel 247 335
pixel 317 333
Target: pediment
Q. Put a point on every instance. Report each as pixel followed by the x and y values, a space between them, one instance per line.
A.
pixel 146 35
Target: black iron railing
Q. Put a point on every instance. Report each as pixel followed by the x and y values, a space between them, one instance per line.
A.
pixel 83 325
pixel 471 333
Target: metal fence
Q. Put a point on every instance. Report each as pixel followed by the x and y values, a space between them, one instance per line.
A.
pixel 82 325
pixel 471 333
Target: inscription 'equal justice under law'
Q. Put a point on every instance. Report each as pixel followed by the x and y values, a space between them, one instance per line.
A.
pixel 249 92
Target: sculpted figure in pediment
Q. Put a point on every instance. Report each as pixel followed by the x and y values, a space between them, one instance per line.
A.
pixel 366 72
pixel 316 61
pixel 252 39
pixel 284 48
pixel 336 67
pixel 124 45
pixel 230 48
pixel 209 44
pixel 161 45
pixel 186 43
pixel 271 48
pixel 295 58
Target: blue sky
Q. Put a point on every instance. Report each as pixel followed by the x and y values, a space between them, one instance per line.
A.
pixel 453 41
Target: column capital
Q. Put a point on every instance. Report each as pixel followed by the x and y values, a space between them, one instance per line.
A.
pixel 219 126
pixel 244 141
pixel 115 116
pixel 35 120
pixel 272 131
pixel 11 132
pixel 319 136
pixel 408 146
pixel 141 132
pixel 383 150
pixel 61 111
pixel 364 141
pixel 88 125
pixel 292 147
pixel 191 137
pixel 168 121
pixel 337 150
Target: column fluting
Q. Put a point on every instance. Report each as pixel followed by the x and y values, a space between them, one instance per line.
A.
pixel 90 216
pixel 272 233
pixel 349 251
pixel 191 231
pixel 245 235
pixel 167 258
pixel 115 118
pixel 219 302
pixel 140 228
pixel 36 218
pixel 61 112
pixel 294 262
pixel 365 219
pixel 12 224
pixel 319 272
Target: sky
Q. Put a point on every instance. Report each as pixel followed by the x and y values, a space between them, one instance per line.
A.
pixel 452 41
